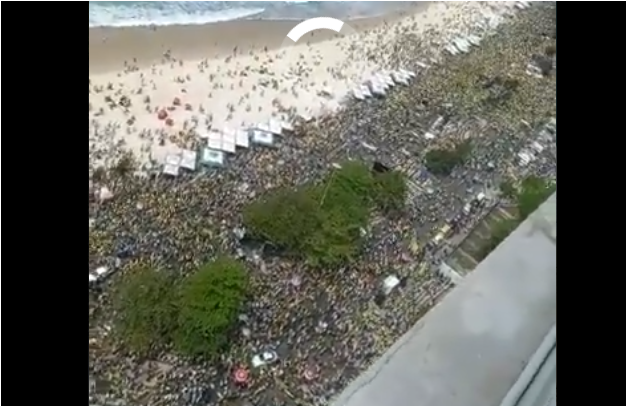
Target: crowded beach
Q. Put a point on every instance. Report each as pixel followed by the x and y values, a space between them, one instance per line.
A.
pixel 448 73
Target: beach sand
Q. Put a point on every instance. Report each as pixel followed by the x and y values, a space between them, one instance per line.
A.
pixel 234 74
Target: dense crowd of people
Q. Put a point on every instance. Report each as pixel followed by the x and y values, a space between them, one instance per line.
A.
pixel 324 327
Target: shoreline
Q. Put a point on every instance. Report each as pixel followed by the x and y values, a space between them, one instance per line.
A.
pixel 110 47
pixel 101 16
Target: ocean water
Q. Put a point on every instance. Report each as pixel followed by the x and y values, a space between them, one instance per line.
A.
pixel 138 13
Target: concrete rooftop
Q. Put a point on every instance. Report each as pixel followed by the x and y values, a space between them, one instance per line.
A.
pixel 472 348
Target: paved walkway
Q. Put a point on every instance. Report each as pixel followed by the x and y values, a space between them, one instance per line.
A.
pixel 471 348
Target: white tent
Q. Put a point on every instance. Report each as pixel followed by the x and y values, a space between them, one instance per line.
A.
pixel 275 126
pixel 287 126
pixel 188 159
pixel 357 94
pixel 263 138
pixel 400 78
pixel 242 138
pixel 408 73
pixel 212 158
pixel 214 141
pixel 173 159
pixel 385 78
pixel 228 141
pixel 224 140
pixel 171 170
pixel 365 90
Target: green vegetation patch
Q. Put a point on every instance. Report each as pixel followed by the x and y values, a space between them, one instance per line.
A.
pixel 442 161
pixel 196 314
pixel 209 302
pixel 145 309
pixel 323 222
pixel 528 196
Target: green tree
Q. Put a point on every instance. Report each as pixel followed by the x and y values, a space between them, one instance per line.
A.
pixel 390 191
pixel 145 310
pixel 508 189
pixel 345 194
pixel 529 195
pixel 533 191
pixel 354 179
pixel 442 161
pixel 209 303
pixel 336 241
pixel 284 217
pixel 323 222
pixel 318 221
pixel 345 198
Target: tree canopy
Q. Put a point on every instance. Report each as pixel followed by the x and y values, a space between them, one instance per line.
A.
pixel 323 222
pixel 442 161
pixel 390 191
pixel 285 217
pixel 195 314
pixel 145 311
pixel 209 302
pixel 528 195
pixel 508 189
pixel 533 191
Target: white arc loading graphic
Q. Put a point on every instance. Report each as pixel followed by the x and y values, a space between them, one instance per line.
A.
pixel 315 24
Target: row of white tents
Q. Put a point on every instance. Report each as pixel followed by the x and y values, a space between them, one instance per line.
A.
pixel 219 143
pixel 463 44
pixel 380 83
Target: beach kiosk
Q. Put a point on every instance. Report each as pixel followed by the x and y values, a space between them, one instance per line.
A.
pixel 262 138
pixel 212 158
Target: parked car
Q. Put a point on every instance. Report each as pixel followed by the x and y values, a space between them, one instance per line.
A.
pixel 265 358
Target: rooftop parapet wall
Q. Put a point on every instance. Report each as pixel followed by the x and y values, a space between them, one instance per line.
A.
pixel 472 347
